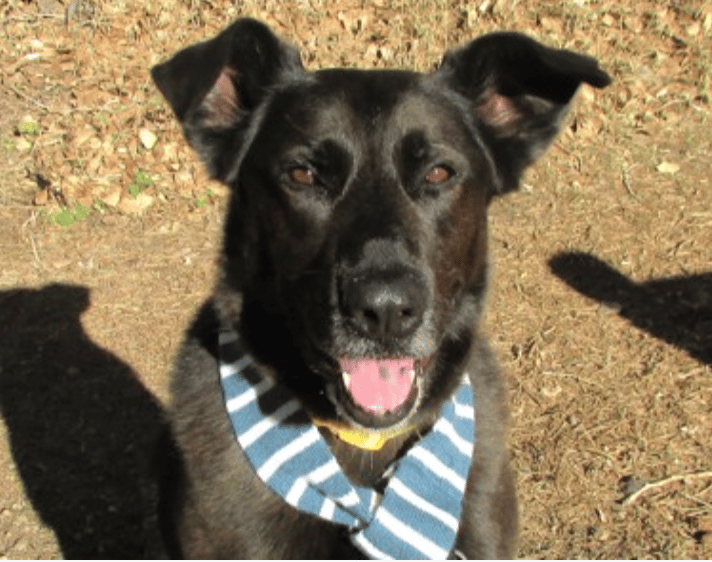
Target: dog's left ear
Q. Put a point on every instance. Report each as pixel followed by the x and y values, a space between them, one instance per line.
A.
pixel 215 86
pixel 519 91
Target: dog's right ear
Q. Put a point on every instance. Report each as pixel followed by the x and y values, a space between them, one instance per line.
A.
pixel 215 86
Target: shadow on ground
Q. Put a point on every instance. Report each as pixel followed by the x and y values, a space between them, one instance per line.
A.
pixel 81 426
pixel 678 310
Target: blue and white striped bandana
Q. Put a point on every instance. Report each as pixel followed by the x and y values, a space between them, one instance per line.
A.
pixel 417 516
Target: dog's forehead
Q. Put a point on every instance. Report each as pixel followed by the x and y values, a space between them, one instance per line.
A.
pixel 372 107
pixel 368 93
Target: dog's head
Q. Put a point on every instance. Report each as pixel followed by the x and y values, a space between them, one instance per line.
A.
pixel 355 257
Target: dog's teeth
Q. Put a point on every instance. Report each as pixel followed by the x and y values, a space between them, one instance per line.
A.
pixel 412 376
pixel 347 379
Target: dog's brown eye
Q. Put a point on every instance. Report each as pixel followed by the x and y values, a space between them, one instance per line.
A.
pixel 302 176
pixel 438 174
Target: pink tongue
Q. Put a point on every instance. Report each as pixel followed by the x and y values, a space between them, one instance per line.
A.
pixel 378 386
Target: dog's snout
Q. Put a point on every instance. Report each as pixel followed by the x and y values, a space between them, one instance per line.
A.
pixel 384 305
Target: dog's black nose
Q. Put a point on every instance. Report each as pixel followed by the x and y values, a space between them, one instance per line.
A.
pixel 384 304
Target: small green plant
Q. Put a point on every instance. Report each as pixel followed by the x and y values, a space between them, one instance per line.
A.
pixel 28 127
pixel 67 217
pixel 103 119
pixel 141 181
pixel 81 212
pixel 203 200
pixel 8 145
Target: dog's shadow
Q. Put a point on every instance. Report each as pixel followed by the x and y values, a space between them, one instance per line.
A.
pixel 678 310
pixel 81 426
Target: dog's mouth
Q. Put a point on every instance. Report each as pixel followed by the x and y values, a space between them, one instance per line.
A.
pixel 381 392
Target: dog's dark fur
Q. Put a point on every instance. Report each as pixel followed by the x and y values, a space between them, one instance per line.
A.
pixel 356 228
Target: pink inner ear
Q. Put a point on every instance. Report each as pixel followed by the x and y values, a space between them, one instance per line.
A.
pixel 221 102
pixel 498 111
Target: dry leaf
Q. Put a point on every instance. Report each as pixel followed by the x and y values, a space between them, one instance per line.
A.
pixel 693 29
pixel 23 145
pixel 111 196
pixel 148 139
pixel 668 168
pixel 84 135
pixel 41 198
pixel 135 205
pixel 587 95
pixel 608 20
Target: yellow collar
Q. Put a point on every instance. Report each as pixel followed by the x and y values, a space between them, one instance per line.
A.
pixel 362 438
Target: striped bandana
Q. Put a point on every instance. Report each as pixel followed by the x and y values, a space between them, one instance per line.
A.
pixel 418 514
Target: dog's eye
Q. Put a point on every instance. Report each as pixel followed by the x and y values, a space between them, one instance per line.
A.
pixel 438 174
pixel 302 176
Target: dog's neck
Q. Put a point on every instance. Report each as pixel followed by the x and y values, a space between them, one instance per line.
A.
pixel 367 467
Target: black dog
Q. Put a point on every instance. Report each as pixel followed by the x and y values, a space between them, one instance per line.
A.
pixel 353 276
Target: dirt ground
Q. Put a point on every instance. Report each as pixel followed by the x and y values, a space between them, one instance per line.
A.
pixel 601 301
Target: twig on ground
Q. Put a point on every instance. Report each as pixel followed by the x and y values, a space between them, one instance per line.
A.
pixel 625 177
pixel 24 96
pixel 38 261
pixel 660 483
